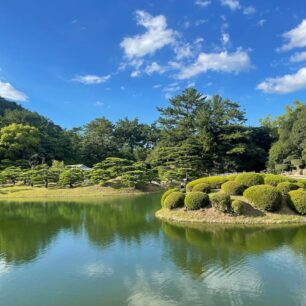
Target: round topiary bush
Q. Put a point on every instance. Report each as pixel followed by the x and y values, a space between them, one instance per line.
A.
pixel 232 188
pixel 249 179
pixel 213 181
pixel 168 192
pixel 221 201
pixel 274 180
pixel 297 200
pixel 238 207
pixel 285 187
pixel 203 187
pixel 174 200
pixel 264 197
pixel 196 200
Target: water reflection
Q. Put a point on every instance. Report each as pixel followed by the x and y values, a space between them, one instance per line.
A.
pixel 196 249
pixel 26 229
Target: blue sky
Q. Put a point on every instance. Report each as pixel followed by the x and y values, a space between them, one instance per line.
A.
pixel 75 60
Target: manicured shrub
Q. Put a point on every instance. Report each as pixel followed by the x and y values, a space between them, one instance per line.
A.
pixel 204 187
pixel 274 180
pixel 264 197
pixel 238 207
pixel 301 183
pixel 221 201
pixel 232 188
pixel 231 177
pixel 249 179
pixel 297 200
pixel 285 187
pixel 213 181
pixel 196 200
pixel 174 200
pixel 165 195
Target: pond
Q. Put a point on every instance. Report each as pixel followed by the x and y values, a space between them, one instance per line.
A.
pixel 113 251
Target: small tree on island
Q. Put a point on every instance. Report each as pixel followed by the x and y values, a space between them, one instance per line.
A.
pixel 11 174
pixel 71 177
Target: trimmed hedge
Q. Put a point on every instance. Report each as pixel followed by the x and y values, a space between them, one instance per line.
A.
pixel 174 200
pixel 264 197
pixel 232 188
pixel 168 192
pixel 285 187
pixel 249 179
pixel 196 200
pixel 238 207
pixel 203 187
pixel 274 180
pixel 297 200
pixel 221 201
pixel 213 181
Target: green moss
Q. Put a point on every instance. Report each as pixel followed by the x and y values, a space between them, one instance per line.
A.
pixel 232 188
pixel 264 197
pixel 221 201
pixel 203 187
pixel 297 200
pixel 249 179
pixel 196 200
pixel 174 200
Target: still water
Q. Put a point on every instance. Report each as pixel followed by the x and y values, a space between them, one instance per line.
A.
pixel 113 251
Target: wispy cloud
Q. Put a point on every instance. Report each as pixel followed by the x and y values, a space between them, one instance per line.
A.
pixel 157 36
pixel 284 84
pixel 7 91
pixel 91 79
pixel 202 3
pixel 232 4
pixel 298 57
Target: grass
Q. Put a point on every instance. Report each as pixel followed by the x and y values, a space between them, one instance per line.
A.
pixel 23 193
pixel 252 216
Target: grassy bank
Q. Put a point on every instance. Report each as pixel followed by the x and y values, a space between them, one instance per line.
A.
pixel 210 215
pixel 22 193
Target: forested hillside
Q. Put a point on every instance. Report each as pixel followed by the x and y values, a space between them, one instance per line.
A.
pixel 192 136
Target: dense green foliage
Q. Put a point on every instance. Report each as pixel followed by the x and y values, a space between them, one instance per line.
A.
pixel 232 188
pixel 285 187
pixel 221 201
pixel 238 207
pixel 290 148
pixel 213 181
pixel 297 200
pixel 174 200
pixel 71 177
pixel 196 200
pixel 274 180
pixel 249 179
pixel 166 193
pixel 203 187
pixel 264 197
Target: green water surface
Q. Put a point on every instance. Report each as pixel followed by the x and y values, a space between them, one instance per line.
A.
pixel 113 251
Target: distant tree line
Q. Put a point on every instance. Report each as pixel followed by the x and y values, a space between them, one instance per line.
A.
pixel 194 136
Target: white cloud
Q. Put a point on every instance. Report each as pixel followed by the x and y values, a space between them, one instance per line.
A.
pixel 202 3
pixel 157 86
pixel 261 22
pixel 223 61
pixel 225 38
pixel 7 91
pixel 296 38
pixel 156 37
pixel 298 57
pixel 232 4
pixel 200 21
pixel 285 84
pixel 99 103
pixel 91 79
pixel 249 10
pixel 154 68
pixel 183 51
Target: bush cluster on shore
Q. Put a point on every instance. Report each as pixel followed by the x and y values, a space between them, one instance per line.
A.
pixel 266 192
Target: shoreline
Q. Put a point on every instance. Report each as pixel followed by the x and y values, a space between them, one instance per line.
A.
pixel 212 216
